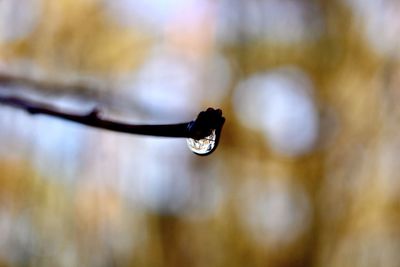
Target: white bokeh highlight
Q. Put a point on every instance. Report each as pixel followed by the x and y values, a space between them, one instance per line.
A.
pixel 274 210
pixel 166 86
pixel 282 21
pixel 381 23
pixel 154 15
pixel 18 18
pixel 280 104
pixel 162 178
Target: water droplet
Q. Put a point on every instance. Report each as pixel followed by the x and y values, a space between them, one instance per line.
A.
pixel 203 146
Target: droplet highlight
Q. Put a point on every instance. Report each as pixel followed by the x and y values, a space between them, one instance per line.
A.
pixel 203 146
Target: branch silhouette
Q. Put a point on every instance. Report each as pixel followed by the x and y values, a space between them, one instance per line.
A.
pixel 206 122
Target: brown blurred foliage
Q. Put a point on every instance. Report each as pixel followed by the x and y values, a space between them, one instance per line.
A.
pixel 63 208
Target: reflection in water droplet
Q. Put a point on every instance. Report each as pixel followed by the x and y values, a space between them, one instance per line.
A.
pixel 203 146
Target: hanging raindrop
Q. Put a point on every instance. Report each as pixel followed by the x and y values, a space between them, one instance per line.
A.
pixel 203 146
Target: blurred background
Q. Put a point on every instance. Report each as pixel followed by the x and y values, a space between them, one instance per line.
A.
pixel 307 172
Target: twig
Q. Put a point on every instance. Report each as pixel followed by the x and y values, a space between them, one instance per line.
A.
pixel 205 123
pixel 200 128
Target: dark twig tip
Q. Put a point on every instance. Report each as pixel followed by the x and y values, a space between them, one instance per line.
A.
pixel 205 123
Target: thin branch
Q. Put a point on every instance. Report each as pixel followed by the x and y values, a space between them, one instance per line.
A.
pixel 206 121
pixel 203 126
